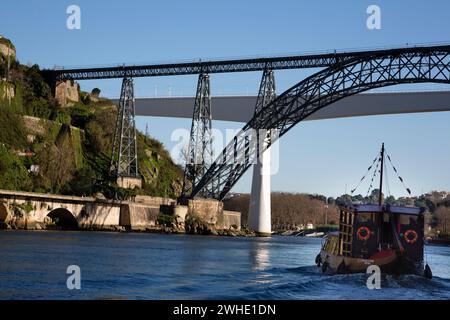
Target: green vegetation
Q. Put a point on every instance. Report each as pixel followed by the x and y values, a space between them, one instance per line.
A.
pixel 13 174
pixel 195 225
pixel 45 147
pixel 166 220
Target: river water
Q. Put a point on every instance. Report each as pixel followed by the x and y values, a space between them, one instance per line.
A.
pixel 151 266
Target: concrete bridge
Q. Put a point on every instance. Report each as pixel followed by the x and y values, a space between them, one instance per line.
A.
pixel 241 108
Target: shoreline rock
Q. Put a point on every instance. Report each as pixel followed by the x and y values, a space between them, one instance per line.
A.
pixel 38 226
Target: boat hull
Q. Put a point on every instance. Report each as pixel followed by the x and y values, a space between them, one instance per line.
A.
pixel 389 264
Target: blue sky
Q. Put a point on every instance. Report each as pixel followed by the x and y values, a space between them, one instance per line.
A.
pixel 317 157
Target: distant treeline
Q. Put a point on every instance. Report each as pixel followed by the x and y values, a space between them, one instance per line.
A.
pixel 292 210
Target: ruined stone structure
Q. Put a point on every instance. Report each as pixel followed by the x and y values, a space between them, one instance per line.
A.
pixel 129 182
pixel 7 55
pixel 67 91
pixel 7 51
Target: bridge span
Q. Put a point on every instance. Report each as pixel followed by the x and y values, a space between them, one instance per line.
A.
pixel 241 108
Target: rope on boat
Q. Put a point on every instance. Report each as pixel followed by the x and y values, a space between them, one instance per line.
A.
pixel 395 170
pixel 365 175
pixel 388 189
pixel 408 190
pixel 373 177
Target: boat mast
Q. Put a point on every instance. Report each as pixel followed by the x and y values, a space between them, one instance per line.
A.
pixel 380 195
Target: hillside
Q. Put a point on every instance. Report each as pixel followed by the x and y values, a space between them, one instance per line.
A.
pixel 45 147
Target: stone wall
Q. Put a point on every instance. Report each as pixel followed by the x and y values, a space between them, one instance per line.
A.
pixel 89 215
pixel 137 216
pixel 154 201
pixel 231 218
pixel 129 182
pixel 35 126
pixel 99 216
pixel 212 212
pixel 67 91
pixel 26 210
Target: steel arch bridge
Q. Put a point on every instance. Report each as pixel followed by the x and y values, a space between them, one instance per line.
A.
pixel 343 79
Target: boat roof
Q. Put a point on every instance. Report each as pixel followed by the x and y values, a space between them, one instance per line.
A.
pixel 355 208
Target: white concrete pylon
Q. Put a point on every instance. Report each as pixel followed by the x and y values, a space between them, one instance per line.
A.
pixel 259 216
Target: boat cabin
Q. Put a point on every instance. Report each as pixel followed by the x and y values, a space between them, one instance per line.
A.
pixel 366 230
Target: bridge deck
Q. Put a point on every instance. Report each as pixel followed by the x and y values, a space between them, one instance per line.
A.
pixel 240 108
pixel 222 66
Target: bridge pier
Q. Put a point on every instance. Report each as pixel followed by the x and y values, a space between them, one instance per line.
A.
pixel 260 214
pixel 200 152
pixel 124 164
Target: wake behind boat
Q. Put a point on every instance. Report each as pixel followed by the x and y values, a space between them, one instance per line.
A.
pixel 391 237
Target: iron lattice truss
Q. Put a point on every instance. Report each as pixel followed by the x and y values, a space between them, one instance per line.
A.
pixel 267 91
pixel 124 152
pixel 219 66
pixel 200 152
pixel 412 65
pixel 266 94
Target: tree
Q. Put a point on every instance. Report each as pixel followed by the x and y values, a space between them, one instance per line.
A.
pixel 95 92
pixel 289 210
pixel 58 162
pixel 390 200
pixel 82 183
pixel 442 214
pixel 13 174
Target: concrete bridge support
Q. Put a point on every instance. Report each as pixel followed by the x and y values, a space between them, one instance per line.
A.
pixel 259 218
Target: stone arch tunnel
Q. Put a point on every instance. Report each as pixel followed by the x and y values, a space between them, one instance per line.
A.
pixel 3 213
pixel 63 219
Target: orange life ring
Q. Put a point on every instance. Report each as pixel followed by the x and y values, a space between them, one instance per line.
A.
pixel 413 239
pixel 363 233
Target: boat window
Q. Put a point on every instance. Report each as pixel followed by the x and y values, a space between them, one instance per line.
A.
pixel 403 219
pixel 364 217
pixel 407 219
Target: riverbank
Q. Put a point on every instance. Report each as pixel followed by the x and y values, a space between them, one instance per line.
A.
pixel 232 232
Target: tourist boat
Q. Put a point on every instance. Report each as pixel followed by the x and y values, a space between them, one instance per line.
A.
pixel 391 237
